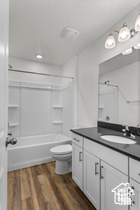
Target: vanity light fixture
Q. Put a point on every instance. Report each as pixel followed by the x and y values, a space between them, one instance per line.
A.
pixel 126 52
pixel 137 24
pixel 110 42
pixel 137 47
pixel 39 56
pixel 123 35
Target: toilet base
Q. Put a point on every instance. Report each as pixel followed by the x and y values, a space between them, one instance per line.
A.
pixel 63 167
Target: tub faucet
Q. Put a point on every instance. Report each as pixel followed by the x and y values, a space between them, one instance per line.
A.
pixel 127 132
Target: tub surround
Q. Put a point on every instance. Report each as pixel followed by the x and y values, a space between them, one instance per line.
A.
pixel 94 134
pixel 47 111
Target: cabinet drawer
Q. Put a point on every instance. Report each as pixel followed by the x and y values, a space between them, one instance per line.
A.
pixel 113 158
pixel 135 169
pixel 78 140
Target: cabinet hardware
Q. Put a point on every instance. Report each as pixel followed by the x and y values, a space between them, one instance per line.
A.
pixel 76 139
pixel 9 140
pixel 139 174
pixel 101 177
pixel 96 172
pixel 80 156
pixel 132 188
pixel 132 203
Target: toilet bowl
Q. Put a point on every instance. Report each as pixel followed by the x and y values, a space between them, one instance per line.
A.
pixel 63 156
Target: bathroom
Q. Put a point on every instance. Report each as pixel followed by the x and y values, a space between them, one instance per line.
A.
pixel 51 96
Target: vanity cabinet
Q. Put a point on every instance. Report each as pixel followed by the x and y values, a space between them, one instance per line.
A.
pixel 92 178
pixel 97 170
pixel 110 179
pixel 135 183
pixel 111 169
pixel 77 160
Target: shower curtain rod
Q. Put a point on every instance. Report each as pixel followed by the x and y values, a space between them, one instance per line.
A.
pixel 118 89
pixel 42 74
pixel 108 84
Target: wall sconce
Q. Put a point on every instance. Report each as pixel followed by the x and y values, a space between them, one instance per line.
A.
pixel 123 35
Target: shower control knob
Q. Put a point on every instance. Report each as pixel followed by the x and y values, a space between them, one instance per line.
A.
pixel 12 141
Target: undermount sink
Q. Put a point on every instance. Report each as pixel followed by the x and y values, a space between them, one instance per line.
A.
pixel 118 139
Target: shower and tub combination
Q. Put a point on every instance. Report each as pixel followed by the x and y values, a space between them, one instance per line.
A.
pixel 40 117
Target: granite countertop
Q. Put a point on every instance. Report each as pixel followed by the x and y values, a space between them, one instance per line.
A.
pixel 94 134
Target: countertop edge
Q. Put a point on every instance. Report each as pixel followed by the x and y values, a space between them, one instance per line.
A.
pixel 111 147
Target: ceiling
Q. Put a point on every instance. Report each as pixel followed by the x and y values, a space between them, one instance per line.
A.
pixel 36 25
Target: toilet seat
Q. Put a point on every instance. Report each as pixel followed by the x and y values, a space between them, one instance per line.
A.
pixel 61 149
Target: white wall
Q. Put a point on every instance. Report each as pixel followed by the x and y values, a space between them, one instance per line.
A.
pixel 70 69
pixel 88 69
pixel 26 65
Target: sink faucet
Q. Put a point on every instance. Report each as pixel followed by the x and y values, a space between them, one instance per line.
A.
pixel 127 132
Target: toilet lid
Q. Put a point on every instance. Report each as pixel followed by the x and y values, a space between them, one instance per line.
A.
pixel 62 149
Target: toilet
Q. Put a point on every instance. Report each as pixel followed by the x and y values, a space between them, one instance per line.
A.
pixel 63 156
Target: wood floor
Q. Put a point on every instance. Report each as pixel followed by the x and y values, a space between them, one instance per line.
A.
pixel 39 188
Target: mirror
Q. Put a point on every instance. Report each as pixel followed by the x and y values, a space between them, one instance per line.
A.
pixel 119 89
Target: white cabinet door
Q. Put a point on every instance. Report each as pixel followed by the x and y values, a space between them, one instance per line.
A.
pixel 136 197
pixel 110 179
pixel 77 165
pixel 92 178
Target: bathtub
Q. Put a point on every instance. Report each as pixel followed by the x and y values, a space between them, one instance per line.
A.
pixel 33 150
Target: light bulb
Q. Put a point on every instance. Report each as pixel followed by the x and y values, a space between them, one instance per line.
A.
pixel 126 52
pixel 124 34
pixel 137 46
pixel 39 56
pixel 137 23
pixel 110 42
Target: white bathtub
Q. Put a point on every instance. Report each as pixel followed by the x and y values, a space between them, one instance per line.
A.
pixel 33 150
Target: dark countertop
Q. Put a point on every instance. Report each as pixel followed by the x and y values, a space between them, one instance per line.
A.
pixel 94 133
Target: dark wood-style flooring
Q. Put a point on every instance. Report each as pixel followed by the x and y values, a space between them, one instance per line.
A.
pixel 39 188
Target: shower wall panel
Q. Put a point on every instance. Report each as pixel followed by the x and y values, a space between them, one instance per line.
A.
pixel 35 111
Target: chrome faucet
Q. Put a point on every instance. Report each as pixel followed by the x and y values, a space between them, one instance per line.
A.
pixel 127 132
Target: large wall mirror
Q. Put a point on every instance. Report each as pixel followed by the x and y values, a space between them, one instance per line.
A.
pixel 119 89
